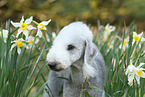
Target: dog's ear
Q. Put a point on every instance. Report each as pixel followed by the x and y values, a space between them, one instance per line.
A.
pixel 90 53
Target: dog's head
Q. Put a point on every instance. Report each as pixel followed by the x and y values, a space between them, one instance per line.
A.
pixel 70 45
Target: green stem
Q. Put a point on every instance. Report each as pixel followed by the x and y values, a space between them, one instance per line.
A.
pixel 35 22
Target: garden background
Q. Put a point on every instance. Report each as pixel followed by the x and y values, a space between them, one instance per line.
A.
pixel 120 13
pixel 65 11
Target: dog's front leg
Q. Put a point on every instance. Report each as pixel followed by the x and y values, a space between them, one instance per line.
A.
pixel 55 85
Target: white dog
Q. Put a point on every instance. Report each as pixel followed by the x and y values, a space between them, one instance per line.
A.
pixel 74 58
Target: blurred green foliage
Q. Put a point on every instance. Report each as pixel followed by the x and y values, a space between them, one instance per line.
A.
pixel 65 11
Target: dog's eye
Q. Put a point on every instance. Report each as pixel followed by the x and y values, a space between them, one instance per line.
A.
pixel 70 47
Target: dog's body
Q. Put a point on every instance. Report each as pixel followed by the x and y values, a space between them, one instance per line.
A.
pixel 78 60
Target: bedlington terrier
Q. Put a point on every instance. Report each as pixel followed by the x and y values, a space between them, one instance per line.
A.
pixel 74 59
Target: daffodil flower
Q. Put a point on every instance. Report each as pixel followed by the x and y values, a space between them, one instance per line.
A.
pixel 108 30
pixel 125 44
pixel 131 73
pixel 135 72
pixel 30 41
pixel 5 34
pixel 24 26
pixel 41 26
pixel 137 37
pixel 18 43
pixel 140 73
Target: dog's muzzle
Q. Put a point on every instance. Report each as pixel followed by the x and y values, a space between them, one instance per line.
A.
pixel 55 66
pixel 52 65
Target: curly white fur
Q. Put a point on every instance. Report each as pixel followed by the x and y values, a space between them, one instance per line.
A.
pixel 84 60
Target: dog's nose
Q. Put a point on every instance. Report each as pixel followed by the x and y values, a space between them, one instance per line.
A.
pixel 52 65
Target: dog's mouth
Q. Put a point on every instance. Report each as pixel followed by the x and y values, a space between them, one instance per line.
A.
pixel 55 66
pixel 56 69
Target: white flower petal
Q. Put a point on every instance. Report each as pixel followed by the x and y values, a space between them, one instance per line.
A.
pixel 142 69
pixel 143 75
pixel 16 24
pixel 139 45
pixel 141 64
pixel 107 26
pixel 25 32
pixel 112 28
pixel 29 20
pixel 13 41
pixel 21 39
pixel 126 72
pixel 130 77
pixel 39 33
pixel 131 68
pixel 39 26
pixel 5 34
pixel 139 35
pixel 47 37
pixel 142 39
pixel 37 40
pixel 45 22
pixel 30 27
pixel 30 38
pixel 44 28
pixel 138 79
pixel 18 50
pixel 130 83
pixel 130 80
pixel 25 46
pixel 19 31
pixel 136 69
pixel 22 20
pixel 134 34
pixel 12 47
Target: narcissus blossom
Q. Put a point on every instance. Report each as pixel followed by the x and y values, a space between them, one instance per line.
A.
pixel 5 34
pixel 18 43
pixel 41 26
pixel 135 73
pixel 31 39
pixel 108 30
pixel 137 37
pixel 125 44
pixel 24 26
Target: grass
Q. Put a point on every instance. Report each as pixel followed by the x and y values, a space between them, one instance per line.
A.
pixel 24 75
pixel 117 61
